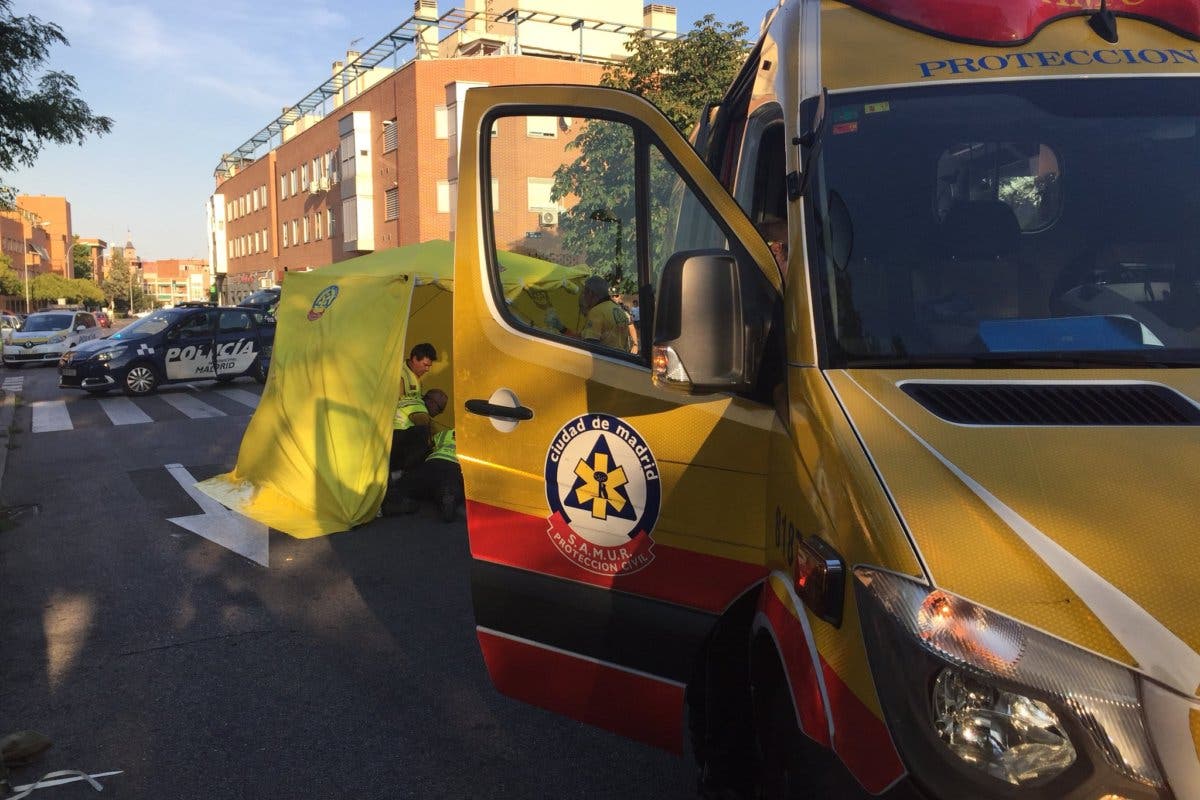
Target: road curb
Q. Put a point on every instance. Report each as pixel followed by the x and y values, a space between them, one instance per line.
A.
pixel 8 407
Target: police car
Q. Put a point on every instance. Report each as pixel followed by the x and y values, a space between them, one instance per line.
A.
pixel 185 343
pixel 46 335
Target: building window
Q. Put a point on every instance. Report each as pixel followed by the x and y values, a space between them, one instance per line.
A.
pixel 263 191
pixel 304 228
pixel 331 228
pixel 283 237
pixel 318 231
pixel 331 161
pixel 295 232
pixel 495 195
pixel 292 182
pixel 439 122
pixel 391 203
pixel 539 194
pixel 443 197
pixel 541 127
pixel 390 136
pixel 349 221
pixel 283 187
pixel 347 156
pixel 266 242
pixel 254 200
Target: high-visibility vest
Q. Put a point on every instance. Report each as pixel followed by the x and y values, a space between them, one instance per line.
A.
pixel 443 446
pixel 405 408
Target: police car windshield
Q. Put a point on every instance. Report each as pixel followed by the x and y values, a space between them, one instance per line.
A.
pixel 1051 218
pixel 47 322
pixel 156 322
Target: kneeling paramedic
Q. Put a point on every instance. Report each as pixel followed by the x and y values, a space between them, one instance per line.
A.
pixel 439 479
pixel 412 428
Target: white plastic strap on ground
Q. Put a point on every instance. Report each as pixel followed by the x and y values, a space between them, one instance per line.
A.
pixel 59 778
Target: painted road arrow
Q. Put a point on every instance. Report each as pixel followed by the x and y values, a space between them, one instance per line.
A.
pixel 218 524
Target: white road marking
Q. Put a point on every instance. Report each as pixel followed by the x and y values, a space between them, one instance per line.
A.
pixel 192 407
pixel 51 415
pixel 13 384
pixel 122 411
pixel 240 396
pixel 220 525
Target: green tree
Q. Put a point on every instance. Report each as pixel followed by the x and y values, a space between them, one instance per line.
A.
pixel 47 286
pixel 121 286
pixel 33 115
pixel 81 258
pixel 679 76
pixel 11 283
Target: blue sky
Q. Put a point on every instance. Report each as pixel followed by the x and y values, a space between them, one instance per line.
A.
pixel 185 82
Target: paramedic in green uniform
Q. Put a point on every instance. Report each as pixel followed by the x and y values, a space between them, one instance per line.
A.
pixel 412 428
pixel 417 364
pixel 438 479
pixel 604 320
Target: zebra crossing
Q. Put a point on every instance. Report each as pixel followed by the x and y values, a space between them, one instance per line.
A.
pixel 64 414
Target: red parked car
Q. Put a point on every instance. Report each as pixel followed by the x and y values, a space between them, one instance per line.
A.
pixel 102 319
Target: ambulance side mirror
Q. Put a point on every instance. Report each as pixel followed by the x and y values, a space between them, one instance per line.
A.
pixel 700 336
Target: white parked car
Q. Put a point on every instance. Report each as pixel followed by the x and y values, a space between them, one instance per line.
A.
pixel 46 335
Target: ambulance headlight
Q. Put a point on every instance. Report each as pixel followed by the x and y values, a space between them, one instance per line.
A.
pixel 109 354
pixel 975 698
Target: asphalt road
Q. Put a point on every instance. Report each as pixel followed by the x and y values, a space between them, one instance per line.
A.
pixel 347 668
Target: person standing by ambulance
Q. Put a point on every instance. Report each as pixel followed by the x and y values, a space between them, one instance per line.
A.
pixel 605 321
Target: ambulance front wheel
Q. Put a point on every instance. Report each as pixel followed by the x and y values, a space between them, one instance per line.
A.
pixel 784 773
pixel 140 380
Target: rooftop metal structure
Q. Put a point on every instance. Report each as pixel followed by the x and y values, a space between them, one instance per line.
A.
pixel 407 35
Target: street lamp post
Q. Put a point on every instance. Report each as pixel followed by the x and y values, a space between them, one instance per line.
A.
pixel 27 304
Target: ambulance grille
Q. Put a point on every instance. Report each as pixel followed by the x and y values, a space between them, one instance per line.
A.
pixel 1054 404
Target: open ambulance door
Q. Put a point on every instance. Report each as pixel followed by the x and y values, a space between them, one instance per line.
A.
pixel 611 520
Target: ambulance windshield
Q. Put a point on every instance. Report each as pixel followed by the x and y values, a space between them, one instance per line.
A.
pixel 1041 221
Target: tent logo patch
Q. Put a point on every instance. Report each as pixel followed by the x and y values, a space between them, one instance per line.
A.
pixel 603 489
pixel 323 302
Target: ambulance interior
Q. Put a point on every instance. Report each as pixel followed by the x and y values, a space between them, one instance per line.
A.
pixel 1052 221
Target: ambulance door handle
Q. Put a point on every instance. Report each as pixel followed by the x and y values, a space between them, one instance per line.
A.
pixel 484 408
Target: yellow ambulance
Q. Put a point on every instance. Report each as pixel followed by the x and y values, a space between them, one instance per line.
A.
pixel 904 498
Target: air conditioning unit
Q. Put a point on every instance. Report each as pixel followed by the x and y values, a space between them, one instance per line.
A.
pixel 548 218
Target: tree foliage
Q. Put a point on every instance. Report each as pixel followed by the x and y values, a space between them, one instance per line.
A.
pixel 81 259
pixel 34 114
pixel 679 76
pixel 11 283
pixel 121 285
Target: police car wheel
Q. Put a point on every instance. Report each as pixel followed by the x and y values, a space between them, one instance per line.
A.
pixel 140 380
pixel 259 371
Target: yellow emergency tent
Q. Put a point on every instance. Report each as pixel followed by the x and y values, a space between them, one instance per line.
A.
pixel 313 460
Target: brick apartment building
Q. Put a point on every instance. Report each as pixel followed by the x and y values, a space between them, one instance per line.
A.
pixel 368 161
pixel 172 281
pixel 36 237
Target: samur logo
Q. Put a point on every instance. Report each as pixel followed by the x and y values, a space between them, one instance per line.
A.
pixel 603 488
pixel 323 302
